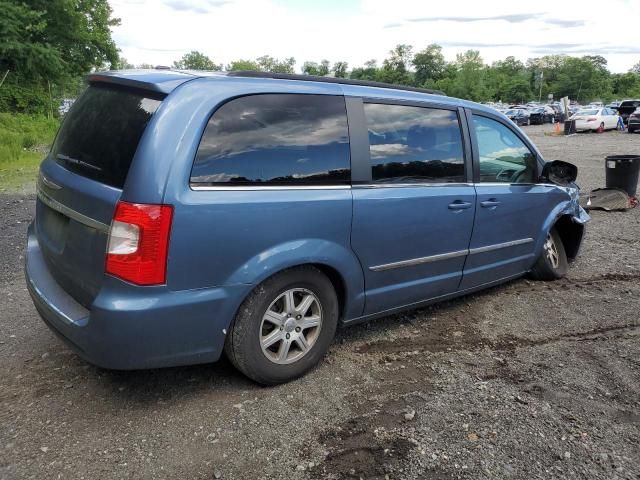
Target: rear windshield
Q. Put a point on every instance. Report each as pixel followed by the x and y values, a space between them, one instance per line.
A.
pixel 100 134
pixel 588 112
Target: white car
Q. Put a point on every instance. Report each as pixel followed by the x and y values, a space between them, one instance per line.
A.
pixel 595 119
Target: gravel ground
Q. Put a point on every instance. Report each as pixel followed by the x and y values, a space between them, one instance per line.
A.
pixel 526 381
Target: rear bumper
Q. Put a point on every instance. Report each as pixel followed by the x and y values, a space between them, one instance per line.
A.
pixel 130 327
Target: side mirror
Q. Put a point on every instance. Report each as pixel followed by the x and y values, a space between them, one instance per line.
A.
pixel 559 172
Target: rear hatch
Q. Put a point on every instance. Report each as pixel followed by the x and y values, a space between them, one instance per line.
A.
pixel 82 180
pixel 627 107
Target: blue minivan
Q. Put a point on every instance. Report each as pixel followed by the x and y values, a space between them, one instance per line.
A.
pixel 181 215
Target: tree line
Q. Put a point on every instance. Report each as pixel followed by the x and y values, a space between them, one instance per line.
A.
pixel 47 46
pixel 510 80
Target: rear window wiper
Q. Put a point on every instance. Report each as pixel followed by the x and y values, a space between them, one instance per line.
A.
pixel 75 161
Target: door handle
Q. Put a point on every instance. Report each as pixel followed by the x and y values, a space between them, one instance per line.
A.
pixel 491 203
pixel 460 205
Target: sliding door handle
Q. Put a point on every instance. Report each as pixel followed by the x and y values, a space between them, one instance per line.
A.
pixel 460 205
pixel 492 203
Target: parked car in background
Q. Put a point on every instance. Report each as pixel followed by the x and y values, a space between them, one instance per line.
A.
pixel 180 216
pixel 541 115
pixel 634 121
pixel 519 116
pixel 595 119
pixel 626 108
pixel 558 113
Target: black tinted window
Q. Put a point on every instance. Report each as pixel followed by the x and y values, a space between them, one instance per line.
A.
pixel 270 139
pixel 414 144
pixel 100 134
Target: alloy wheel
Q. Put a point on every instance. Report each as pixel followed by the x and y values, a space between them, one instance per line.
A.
pixel 291 326
pixel 552 252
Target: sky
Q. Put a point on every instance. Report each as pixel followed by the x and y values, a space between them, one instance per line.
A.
pixel 161 31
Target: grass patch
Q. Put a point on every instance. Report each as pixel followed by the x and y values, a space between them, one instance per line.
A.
pixel 24 141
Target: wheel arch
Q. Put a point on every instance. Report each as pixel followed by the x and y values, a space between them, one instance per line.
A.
pixel 338 263
pixel 569 219
pixel 571 234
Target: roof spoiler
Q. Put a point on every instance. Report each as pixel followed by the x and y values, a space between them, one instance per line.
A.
pixel 164 82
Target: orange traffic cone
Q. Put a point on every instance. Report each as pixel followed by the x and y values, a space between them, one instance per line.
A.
pixel 557 127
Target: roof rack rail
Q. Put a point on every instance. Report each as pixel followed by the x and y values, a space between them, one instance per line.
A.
pixel 344 81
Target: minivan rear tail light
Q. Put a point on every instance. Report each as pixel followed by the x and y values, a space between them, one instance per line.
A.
pixel 139 243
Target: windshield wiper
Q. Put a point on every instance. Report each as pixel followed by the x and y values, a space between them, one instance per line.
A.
pixel 75 161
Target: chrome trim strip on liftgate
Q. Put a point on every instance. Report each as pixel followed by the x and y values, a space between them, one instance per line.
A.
pixel 449 255
pixel 69 212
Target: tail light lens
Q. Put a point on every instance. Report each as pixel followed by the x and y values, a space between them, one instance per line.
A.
pixel 591 119
pixel 139 243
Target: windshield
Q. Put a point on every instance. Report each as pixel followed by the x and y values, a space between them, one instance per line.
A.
pixel 100 134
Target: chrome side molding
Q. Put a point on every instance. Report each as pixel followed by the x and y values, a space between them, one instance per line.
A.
pixel 498 246
pixel 418 261
pixel 449 255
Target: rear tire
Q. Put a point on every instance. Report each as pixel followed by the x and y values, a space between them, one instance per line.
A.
pixel 552 263
pixel 284 327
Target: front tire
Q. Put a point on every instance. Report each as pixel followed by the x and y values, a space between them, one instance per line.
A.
pixel 552 263
pixel 284 327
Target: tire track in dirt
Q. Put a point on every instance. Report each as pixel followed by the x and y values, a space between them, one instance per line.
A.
pixel 468 339
pixel 529 286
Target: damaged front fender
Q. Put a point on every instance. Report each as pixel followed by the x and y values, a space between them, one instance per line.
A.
pixel 569 220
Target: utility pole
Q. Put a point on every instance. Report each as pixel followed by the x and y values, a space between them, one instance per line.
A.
pixel 540 95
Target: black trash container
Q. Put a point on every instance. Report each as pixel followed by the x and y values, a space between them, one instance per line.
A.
pixel 622 172
pixel 569 127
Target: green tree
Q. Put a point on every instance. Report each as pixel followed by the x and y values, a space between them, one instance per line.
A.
pixel 395 68
pixel 517 90
pixel 22 50
pixel 238 65
pixel 195 60
pixel 507 80
pixel 48 45
pixel 469 79
pixel 313 68
pixel 267 63
pixel 583 79
pixel 368 72
pixel 429 64
pixel 340 69
pixel 625 85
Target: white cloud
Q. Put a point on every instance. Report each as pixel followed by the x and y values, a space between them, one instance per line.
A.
pixel 160 31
